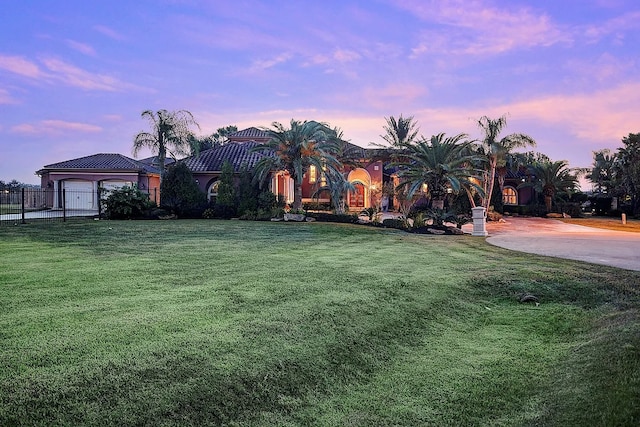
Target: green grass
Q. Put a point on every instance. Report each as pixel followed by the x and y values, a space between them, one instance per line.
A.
pixel 261 324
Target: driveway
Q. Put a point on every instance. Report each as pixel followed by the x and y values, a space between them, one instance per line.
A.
pixel 557 239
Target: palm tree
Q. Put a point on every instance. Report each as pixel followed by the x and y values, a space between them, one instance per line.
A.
pixel 443 164
pixel 552 180
pixel 294 150
pixel 628 169
pixel 400 132
pixel 496 151
pixel 338 187
pixel 602 174
pixel 170 134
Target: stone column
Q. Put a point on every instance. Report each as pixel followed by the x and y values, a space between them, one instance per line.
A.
pixel 479 215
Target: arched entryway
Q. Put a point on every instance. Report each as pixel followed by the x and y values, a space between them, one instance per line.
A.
pixel 360 198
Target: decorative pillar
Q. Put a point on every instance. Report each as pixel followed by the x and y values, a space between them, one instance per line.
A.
pixel 56 202
pixel 479 215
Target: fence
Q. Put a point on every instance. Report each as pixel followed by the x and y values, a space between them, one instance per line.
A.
pixel 44 204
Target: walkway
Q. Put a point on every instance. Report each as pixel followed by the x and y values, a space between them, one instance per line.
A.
pixel 557 239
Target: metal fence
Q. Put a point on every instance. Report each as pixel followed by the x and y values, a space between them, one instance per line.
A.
pixel 42 204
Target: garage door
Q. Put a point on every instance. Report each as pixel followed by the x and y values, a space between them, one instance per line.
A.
pixel 79 195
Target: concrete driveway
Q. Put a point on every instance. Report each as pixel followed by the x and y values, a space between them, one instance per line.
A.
pixel 556 239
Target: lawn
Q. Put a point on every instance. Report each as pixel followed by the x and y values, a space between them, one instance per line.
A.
pixel 632 225
pixel 262 324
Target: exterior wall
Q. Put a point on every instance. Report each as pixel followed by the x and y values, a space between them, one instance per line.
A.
pixel 54 180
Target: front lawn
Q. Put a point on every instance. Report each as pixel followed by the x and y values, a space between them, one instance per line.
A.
pixel 281 324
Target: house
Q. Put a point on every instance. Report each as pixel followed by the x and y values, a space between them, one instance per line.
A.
pixel 75 182
pixel 84 176
pixel 207 169
pixel 512 196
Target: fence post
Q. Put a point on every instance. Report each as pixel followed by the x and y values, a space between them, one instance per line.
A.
pixel 64 205
pixel 22 207
pixel 99 204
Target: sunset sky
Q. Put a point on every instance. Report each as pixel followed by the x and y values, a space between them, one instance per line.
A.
pixel 75 74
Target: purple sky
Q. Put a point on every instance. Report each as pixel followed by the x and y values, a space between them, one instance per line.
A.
pixel 75 74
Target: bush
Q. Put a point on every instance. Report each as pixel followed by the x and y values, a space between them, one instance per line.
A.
pixel 317 206
pixel 331 217
pixel 400 224
pixel 180 193
pixel 572 209
pixel 127 203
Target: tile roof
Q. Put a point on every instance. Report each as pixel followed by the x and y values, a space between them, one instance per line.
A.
pixel 248 134
pixel 237 153
pixel 104 161
pixel 153 161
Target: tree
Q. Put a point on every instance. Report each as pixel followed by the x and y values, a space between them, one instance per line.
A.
pixel 602 174
pixel 170 134
pixel 216 139
pixel 401 131
pixel 442 164
pixel 294 150
pixel 221 136
pixel 248 192
pixel 179 191
pixel 628 169
pixel 338 187
pixel 226 198
pixel 553 180
pixel 496 151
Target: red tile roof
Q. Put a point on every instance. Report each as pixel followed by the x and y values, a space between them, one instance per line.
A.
pixel 104 161
pixel 236 153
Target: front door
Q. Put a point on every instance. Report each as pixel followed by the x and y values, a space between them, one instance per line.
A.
pixel 357 196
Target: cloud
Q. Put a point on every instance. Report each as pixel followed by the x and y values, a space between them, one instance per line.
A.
pixel 616 26
pixel 77 77
pixel 109 32
pixel 606 114
pixel 264 64
pixel 54 127
pixel 81 47
pixel 21 66
pixel 473 28
pixel 5 97
pixel 54 70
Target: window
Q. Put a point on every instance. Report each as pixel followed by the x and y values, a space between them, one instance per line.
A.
pixel 213 190
pixel 509 196
pixel 313 175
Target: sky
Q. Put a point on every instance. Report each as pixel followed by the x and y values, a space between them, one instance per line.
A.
pixel 75 75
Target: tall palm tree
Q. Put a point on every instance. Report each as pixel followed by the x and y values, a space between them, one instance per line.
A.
pixel 443 164
pixel 170 134
pixel 552 180
pixel 294 150
pixel 602 174
pixel 496 150
pixel 401 131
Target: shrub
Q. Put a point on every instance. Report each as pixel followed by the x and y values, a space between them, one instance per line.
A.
pixel 180 193
pixel 317 206
pixel 127 203
pixel 331 217
pixel 400 224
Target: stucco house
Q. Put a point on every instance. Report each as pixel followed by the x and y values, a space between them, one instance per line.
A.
pixel 83 177
pixel 207 169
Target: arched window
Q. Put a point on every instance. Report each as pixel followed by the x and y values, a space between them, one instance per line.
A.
pixel 509 196
pixel 213 190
